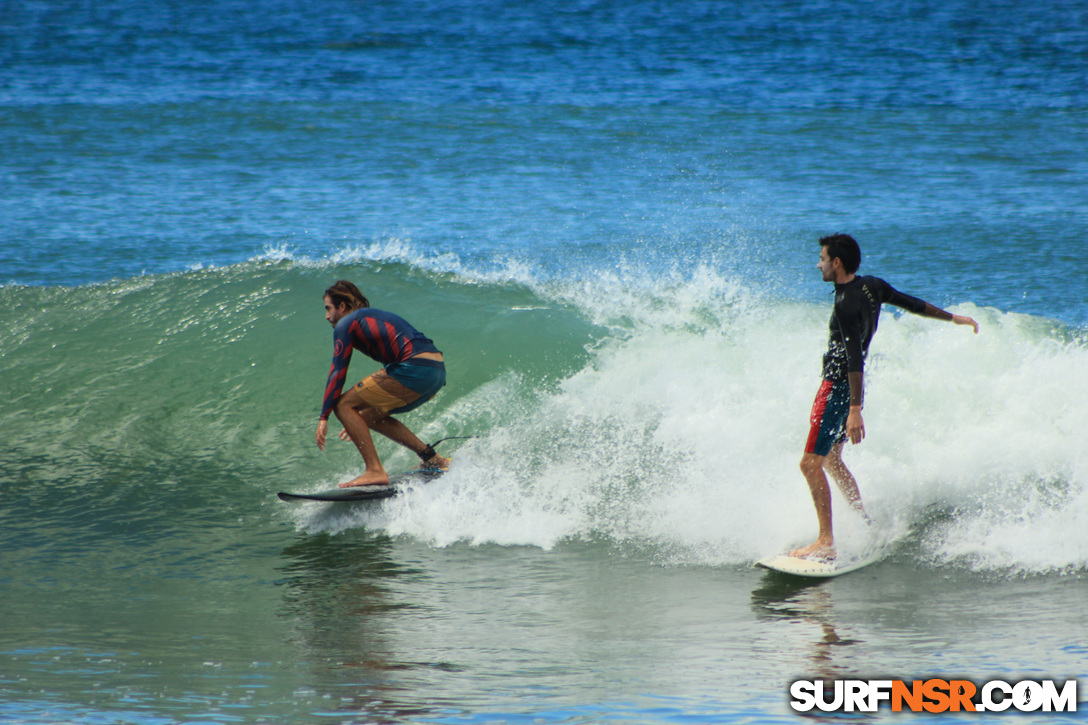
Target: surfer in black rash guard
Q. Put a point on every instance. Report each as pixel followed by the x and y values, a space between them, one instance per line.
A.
pixel 836 412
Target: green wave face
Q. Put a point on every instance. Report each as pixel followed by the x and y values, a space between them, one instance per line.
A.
pixel 154 377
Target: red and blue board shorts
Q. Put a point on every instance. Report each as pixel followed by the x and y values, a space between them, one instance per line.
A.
pixel 827 424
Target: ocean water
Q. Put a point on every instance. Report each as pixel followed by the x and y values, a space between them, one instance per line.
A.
pixel 605 213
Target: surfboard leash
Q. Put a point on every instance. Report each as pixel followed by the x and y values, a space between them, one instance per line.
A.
pixel 428 453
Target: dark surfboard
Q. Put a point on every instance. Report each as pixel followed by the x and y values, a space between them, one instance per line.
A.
pixel 396 485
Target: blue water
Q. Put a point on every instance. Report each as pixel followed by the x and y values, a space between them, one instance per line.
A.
pixel 150 139
pixel 605 213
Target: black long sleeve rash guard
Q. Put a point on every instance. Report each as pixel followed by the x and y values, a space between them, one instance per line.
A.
pixel 854 320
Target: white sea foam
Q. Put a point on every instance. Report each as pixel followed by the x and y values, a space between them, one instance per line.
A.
pixel 391 250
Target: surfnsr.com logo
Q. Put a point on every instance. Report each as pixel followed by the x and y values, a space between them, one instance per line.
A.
pixel 933 695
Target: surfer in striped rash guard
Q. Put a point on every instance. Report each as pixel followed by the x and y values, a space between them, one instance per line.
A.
pixel 413 372
pixel 836 412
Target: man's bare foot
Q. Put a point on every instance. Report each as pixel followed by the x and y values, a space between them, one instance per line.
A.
pixel 436 463
pixel 816 550
pixel 368 479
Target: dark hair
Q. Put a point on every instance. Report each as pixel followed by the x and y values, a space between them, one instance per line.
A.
pixel 845 248
pixel 345 293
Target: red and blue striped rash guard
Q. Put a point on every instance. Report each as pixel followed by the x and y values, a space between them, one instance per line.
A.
pixel 383 336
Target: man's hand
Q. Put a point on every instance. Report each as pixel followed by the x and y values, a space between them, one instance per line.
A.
pixel 964 320
pixel 322 433
pixel 855 426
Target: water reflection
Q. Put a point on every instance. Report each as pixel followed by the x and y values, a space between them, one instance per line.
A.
pixel 796 600
pixel 339 593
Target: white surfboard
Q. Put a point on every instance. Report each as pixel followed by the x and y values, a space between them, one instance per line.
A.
pixel 817 568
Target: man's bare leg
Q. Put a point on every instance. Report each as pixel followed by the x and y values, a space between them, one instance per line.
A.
pixel 812 466
pixel 845 481
pixel 359 420
pixel 396 431
pixel 351 412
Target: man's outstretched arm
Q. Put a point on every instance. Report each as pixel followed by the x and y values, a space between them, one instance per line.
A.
pixel 938 313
